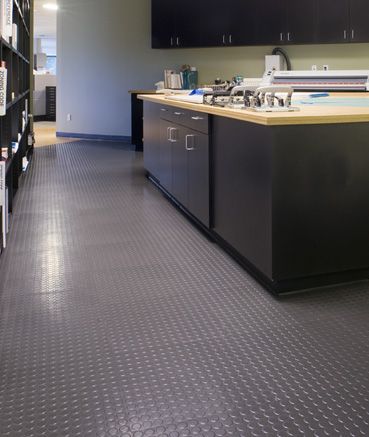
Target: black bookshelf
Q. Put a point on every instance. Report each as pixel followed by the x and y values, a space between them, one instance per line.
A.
pixel 14 126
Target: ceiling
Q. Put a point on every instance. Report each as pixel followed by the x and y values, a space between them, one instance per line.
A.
pixel 44 19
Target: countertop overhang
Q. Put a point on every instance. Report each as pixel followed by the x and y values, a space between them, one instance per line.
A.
pixel 308 114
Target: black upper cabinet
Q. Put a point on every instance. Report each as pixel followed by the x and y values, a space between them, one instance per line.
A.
pixel 162 23
pixel 243 27
pixel 199 23
pixel 301 21
pixel 333 21
pixel 271 21
pixel 359 18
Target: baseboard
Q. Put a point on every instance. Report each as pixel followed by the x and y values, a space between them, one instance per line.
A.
pixel 97 137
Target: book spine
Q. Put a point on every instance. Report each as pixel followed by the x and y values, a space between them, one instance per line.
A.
pixel 3 86
pixel 8 28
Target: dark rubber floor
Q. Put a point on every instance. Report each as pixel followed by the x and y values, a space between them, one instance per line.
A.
pixel 118 318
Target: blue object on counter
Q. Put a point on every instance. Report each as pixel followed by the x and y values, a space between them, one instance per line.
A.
pixel 197 92
pixel 319 95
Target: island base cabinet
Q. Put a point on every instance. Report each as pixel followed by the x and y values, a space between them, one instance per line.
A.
pixel 241 178
pixel 291 202
pixel 197 145
pixel 165 155
pixel 177 156
pixel 179 165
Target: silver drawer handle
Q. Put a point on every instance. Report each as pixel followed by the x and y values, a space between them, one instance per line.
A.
pixel 178 113
pixel 193 138
pixel 171 136
pixel 164 110
pixel 198 118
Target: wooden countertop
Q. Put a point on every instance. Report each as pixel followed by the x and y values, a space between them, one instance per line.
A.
pixel 142 92
pixel 308 114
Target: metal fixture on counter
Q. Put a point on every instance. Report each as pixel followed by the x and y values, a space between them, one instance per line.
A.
pixel 270 99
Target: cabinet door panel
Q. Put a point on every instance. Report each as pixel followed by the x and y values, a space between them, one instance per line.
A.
pixel 198 176
pixel 333 21
pixel 165 176
pixel 359 13
pixel 271 20
pixel 302 17
pixel 200 23
pixel 152 139
pixel 243 23
pixel 162 23
pixel 179 166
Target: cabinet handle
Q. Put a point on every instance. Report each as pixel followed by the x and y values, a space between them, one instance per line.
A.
pixel 178 113
pixel 198 118
pixel 224 39
pixel 188 137
pixel 344 34
pixel 288 36
pixel 230 39
pixel 281 36
pixel 352 34
pixel 171 41
pixel 164 110
pixel 169 133
pixel 177 41
pixel 171 136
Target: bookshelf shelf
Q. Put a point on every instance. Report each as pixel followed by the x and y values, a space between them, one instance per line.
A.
pixel 15 126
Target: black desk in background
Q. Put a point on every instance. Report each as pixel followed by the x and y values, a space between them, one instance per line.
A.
pixel 137 118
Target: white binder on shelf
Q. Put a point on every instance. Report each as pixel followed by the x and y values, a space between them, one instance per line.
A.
pixel 8 27
pixel 3 201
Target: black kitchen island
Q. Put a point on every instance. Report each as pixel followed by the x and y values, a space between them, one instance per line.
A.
pixel 287 197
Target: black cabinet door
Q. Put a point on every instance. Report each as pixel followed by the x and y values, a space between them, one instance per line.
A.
pixel 200 23
pixel 359 14
pixel 179 165
pixel 152 139
pixel 162 23
pixel 333 21
pixel 244 26
pixel 302 18
pixel 271 21
pixel 197 145
pixel 165 175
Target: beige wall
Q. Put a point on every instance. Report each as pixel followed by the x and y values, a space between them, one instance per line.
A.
pixel 249 61
pixel 115 35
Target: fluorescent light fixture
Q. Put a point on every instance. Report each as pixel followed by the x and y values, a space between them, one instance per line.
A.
pixel 51 6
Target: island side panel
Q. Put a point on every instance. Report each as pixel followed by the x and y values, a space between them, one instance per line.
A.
pixel 320 200
pixel 242 175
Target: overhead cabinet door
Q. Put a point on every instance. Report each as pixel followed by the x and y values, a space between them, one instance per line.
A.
pixel 359 17
pixel 162 23
pixel 200 24
pixel 271 22
pixel 302 21
pixel 333 21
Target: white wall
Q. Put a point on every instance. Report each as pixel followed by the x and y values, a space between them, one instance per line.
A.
pixel 104 50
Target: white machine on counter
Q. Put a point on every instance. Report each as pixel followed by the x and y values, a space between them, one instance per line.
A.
pixel 329 80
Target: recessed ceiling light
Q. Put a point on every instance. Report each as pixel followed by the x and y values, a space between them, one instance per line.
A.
pixel 51 6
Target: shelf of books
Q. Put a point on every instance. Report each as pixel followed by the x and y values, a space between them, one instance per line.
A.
pixel 15 132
